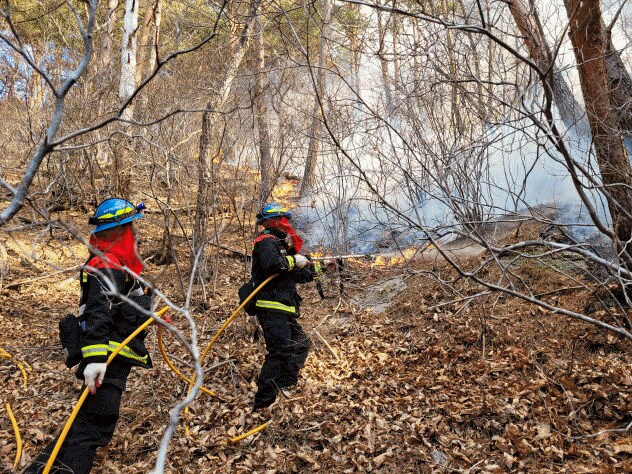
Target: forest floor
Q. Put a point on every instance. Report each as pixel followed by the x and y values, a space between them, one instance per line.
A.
pixel 432 382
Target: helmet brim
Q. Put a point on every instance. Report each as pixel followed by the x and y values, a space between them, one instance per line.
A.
pixel 110 225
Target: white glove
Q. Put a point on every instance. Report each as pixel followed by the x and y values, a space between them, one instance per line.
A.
pixel 300 261
pixel 93 375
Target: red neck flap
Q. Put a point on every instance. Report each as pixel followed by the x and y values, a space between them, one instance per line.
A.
pixel 123 247
pixel 284 225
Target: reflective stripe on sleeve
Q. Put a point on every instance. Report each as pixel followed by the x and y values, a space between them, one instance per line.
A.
pixel 94 350
pixel 264 304
pixel 290 261
pixel 127 352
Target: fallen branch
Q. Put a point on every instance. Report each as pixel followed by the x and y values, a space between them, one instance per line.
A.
pixel 611 430
pixel 42 277
pixel 331 349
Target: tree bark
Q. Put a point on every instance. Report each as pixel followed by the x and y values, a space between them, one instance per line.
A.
pixel 261 111
pixel 589 44
pixel 386 77
pixel 129 48
pixel 309 174
pixel 620 87
pixel 571 112
pixel 105 62
pixel 122 172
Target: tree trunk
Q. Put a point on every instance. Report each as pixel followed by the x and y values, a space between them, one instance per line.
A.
pixel 129 48
pixel 261 112
pixel 208 151
pixel 146 30
pixel 104 76
pixel 127 83
pixel 620 88
pixel 528 22
pixel 309 174
pixel 386 78
pixel 589 44
pixel 105 63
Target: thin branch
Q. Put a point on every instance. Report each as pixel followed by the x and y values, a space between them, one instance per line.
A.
pixel 612 430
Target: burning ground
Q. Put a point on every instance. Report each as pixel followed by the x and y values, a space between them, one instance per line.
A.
pixel 406 374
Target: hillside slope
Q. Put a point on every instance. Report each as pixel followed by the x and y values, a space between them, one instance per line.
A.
pixel 437 382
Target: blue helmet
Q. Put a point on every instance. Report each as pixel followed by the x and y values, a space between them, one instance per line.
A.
pixel 272 210
pixel 113 212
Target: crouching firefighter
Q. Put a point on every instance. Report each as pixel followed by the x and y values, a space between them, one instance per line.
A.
pixel 112 305
pixel 277 251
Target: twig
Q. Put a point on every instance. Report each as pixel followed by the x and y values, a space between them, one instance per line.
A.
pixel 42 277
pixel 612 430
pixel 331 349
pixel 313 427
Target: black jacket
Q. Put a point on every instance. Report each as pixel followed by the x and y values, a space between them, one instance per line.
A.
pixel 279 296
pixel 106 319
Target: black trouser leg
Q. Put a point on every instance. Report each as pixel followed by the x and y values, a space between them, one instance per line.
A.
pixel 277 334
pixel 93 428
pixel 299 348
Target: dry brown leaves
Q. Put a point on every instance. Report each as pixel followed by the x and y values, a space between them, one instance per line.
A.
pixel 452 389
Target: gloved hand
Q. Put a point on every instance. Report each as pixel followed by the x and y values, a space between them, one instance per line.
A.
pixel 93 375
pixel 300 261
pixel 330 263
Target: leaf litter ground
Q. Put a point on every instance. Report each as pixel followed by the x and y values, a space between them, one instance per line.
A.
pixel 488 385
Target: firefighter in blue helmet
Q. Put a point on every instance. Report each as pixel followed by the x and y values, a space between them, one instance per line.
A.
pixel 277 251
pixel 109 312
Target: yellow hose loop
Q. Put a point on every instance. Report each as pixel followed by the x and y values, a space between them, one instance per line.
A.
pixel 251 432
pixel 18 439
pixel 4 354
pixel 219 333
pixel 175 370
pixel 23 372
pixel 85 392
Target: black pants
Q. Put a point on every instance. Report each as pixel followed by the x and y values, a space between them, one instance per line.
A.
pixel 93 427
pixel 287 347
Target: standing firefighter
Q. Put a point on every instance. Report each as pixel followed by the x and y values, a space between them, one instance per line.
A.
pixel 113 304
pixel 277 251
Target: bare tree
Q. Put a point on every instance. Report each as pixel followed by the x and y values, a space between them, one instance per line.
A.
pixel 210 147
pixel 590 46
pixel 261 114
pixel 319 77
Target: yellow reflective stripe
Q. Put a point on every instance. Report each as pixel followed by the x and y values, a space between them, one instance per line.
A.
pixel 117 213
pixel 318 268
pixel 290 261
pixel 84 276
pixel 95 350
pixel 275 305
pixel 127 352
pixel 274 210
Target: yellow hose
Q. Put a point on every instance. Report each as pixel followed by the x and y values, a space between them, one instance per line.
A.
pixel 251 432
pixel 85 392
pixel 232 316
pixel 219 333
pixel 175 370
pixel 18 439
pixel 6 355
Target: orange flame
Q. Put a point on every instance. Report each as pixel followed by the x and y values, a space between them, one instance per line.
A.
pixel 284 190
